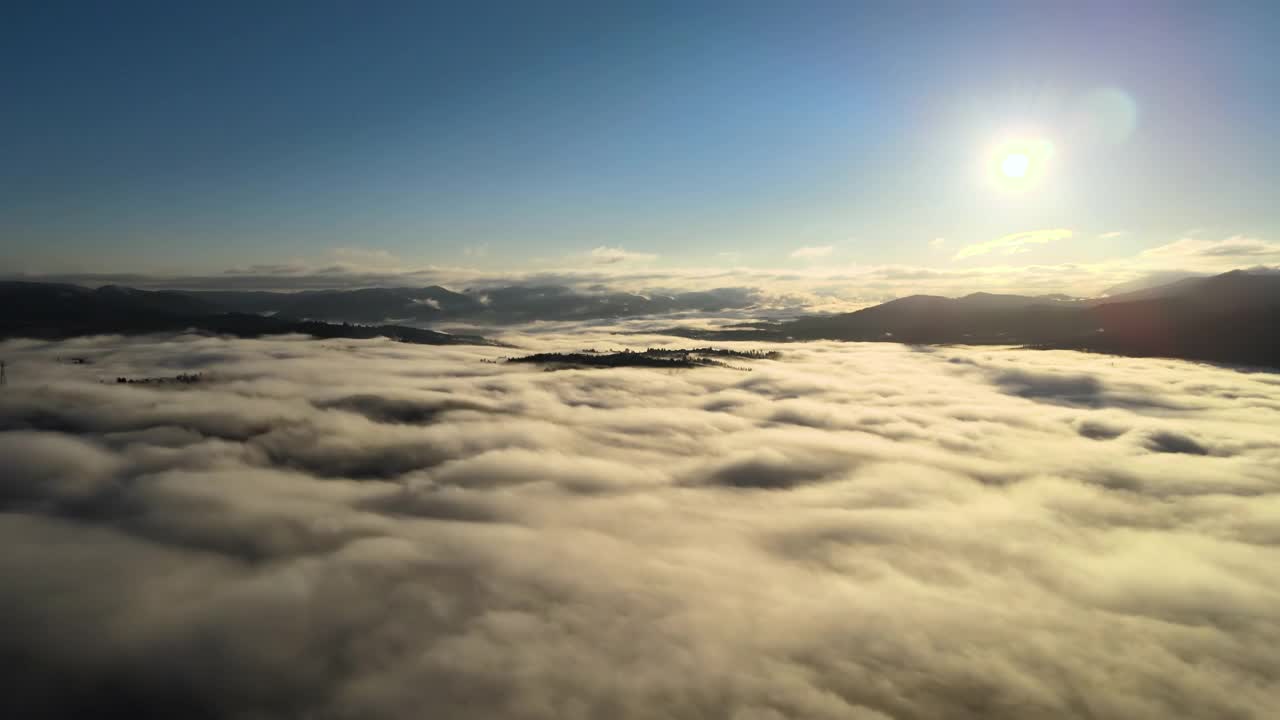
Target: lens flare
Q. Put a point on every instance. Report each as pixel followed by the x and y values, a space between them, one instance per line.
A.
pixel 1106 115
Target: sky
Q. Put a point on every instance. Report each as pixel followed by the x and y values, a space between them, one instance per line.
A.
pixel 669 137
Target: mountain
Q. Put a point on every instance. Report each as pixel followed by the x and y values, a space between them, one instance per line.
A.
pixel 1233 318
pixel 1176 288
pixel 1151 280
pixel 61 310
pixel 366 305
pixel 32 301
pixel 47 310
pixel 976 318
pixel 501 305
pixel 992 301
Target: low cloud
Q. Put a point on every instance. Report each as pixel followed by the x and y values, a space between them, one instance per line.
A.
pixel 1233 249
pixel 612 255
pixel 1014 243
pixel 812 252
pixel 367 529
pixel 365 257
pixel 804 287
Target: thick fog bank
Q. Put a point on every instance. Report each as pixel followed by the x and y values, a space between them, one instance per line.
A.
pixel 366 529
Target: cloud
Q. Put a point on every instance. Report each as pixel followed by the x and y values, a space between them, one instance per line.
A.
pixel 1014 243
pixel 365 257
pixel 937 242
pixel 812 252
pixel 366 528
pixel 268 269
pixel 1112 235
pixel 1233 249
pixel 806 287
pixel 611 255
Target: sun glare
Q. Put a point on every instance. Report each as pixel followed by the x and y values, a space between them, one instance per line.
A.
pixel 1019 164
pixel 1015 165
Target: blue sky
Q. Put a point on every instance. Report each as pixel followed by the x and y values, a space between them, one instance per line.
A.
pixel 193 137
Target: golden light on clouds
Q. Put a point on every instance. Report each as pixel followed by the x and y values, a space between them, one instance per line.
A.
pixel 1013 243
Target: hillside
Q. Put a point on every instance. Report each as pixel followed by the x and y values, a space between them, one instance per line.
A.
pixel 1233 317
pixel 43 310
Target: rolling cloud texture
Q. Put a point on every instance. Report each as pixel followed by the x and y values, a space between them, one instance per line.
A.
pixel 366 529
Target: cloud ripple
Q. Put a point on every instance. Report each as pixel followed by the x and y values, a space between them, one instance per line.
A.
pixel 365 529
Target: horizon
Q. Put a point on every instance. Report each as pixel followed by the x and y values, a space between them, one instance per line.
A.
pixel 586 284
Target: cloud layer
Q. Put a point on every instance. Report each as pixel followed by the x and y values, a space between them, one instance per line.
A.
pixel 812 252
pixel 1014 243
pixel 375 530
pixel 605 255
pixel 996 266
pixel 1232 249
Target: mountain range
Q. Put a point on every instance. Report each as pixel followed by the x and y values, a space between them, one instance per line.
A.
pixel 1233 317
pixel 52 311
pixel 497 306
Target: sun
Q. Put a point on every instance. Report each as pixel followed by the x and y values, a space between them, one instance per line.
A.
pixel 1018 164
pixel 1015 165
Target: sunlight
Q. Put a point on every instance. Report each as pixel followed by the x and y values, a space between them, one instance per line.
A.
pixel 1015 165
pixel 1019 164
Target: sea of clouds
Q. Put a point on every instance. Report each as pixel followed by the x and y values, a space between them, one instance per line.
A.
pixel 366 529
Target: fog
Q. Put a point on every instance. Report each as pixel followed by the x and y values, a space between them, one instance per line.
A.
pixel 367 529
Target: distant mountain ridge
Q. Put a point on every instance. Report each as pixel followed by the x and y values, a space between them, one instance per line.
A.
pixel 1233 318
pixel 52 311
pixel 1150 280
pixel 63 310
pixel 503 305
